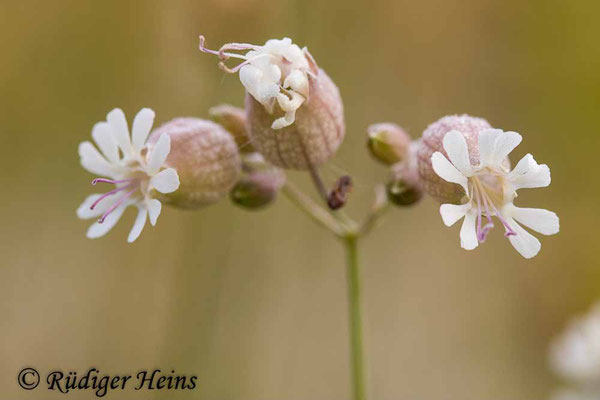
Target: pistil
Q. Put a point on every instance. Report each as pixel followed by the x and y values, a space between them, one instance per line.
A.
pixel 131 183
pixel 116 204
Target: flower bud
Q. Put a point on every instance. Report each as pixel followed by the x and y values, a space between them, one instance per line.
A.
pixel 388 142
pixel 233 119
pixel 206 158
pixel 259 185
pixel 432 141
pixel 405 188
pixel 254 191
pixel 401 193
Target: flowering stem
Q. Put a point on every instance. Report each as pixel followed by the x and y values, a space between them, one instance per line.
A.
pixel 355 308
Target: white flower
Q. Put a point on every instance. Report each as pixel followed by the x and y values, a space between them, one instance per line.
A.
pixel 490 189
pixel 276 73
pixel 135 169
pixel 575 355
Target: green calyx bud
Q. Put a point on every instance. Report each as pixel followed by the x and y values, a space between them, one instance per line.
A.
pixel 405 187
pixel 388 143
pixel 253 191
pixel 258 186
pixel 401 193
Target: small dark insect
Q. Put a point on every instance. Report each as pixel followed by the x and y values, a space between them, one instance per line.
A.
pixel 339 195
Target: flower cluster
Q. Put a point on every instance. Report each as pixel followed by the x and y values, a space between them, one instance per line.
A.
pixel 294 119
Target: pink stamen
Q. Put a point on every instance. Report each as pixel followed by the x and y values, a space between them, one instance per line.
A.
pixel 117 204
pixel 224 56
pixel 488 227
pixel 508 230
pixel 235 47
pixel 114 182
pixel 480 237
pixel 205 49
pixel 229 46
pixel 105 195
pixel 233 70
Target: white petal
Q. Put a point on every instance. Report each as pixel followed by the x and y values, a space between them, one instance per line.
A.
pixel 154 206
pixel 103 136
pixel 142 124
pixel 529 174
pixel 84 211
pixel 159 154
pixel 101 229
pixel 468 233
pixel 540 220
pixel 290 104
pixel 250 76
pixel 92 160
pixel 297 81
pixel 447 171
pixel 118 122
pixel 506 142
pixel 524 242
pixel 458 152
pixel 487 143
pixel 165 181
pixel 451 212
pixel 138 225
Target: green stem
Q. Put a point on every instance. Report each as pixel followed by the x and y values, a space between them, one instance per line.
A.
pixel 356 335
pixel 349 231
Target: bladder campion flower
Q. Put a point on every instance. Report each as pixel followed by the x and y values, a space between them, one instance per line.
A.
pixel 135 169
pixel 276 73
pixel 294 110
pixel 489 188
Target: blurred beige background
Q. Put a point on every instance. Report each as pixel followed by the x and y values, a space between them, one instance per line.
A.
pixel 254 303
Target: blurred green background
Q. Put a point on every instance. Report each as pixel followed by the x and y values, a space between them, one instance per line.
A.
pixel 254 303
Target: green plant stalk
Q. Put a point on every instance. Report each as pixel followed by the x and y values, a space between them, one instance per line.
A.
pixel 347 230
pixel 355 318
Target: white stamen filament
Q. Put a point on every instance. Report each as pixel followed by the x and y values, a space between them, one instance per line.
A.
pixel 481 195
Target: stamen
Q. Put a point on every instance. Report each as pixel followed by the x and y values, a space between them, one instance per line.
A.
pixel 508 230
pixel 235 47
pixel 233 70
pixel 481 194
pixel 117 204
pixel 490 223
pixel 204 49
pixel 114 182
pixel 224 56
pixel 230 46
pixel 105 195
pixel 480 237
